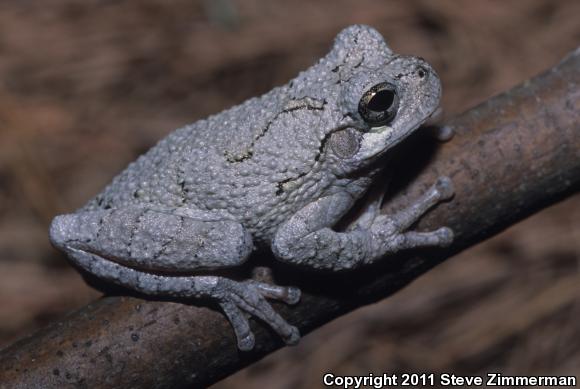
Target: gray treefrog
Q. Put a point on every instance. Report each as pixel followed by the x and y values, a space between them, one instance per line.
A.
pixel 277 171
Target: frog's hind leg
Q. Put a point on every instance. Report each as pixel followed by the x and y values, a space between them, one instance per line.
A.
pixel 139 237
pixel 125 247
pixel 234 297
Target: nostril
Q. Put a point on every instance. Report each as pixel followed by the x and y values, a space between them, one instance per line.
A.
pixel 421 72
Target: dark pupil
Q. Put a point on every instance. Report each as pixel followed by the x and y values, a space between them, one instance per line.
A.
pixel 381 101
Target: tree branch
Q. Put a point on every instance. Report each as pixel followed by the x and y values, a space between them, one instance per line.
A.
pixel 511 156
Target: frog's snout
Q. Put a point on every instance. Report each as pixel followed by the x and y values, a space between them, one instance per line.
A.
pixel 67 229
pixel 59 231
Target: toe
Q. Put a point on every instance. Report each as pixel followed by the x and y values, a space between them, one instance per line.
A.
pixel 287 294
pixel 292 295
pixel 293 337
pixel 444 133
pixel 446 236
pixel 247 342
pixel 444 186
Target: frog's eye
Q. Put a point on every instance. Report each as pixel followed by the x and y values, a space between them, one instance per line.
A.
pixel 379 104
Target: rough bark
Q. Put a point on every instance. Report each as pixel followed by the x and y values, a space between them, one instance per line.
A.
pixel 511 156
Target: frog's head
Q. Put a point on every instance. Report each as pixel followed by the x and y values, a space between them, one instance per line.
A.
pixel 379 97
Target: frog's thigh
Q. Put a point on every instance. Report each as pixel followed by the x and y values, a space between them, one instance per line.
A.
pixel 123 246
pixel 148 239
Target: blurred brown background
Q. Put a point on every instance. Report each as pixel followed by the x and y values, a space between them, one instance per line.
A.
pixel 87 86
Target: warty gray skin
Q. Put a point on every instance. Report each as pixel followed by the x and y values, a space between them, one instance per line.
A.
pixel 276 171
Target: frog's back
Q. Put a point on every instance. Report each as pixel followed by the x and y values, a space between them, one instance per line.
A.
pixel 244 161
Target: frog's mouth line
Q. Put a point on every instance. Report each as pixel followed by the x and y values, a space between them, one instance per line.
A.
pixel 380 139
pixel 379 129
pixel 433 119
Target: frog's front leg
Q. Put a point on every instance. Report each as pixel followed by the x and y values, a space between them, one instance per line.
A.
pixel 146 250
pixel 307 238
pixel 373 200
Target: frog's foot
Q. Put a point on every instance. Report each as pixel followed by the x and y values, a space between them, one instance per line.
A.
pixel 249 296
pixel 391 229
